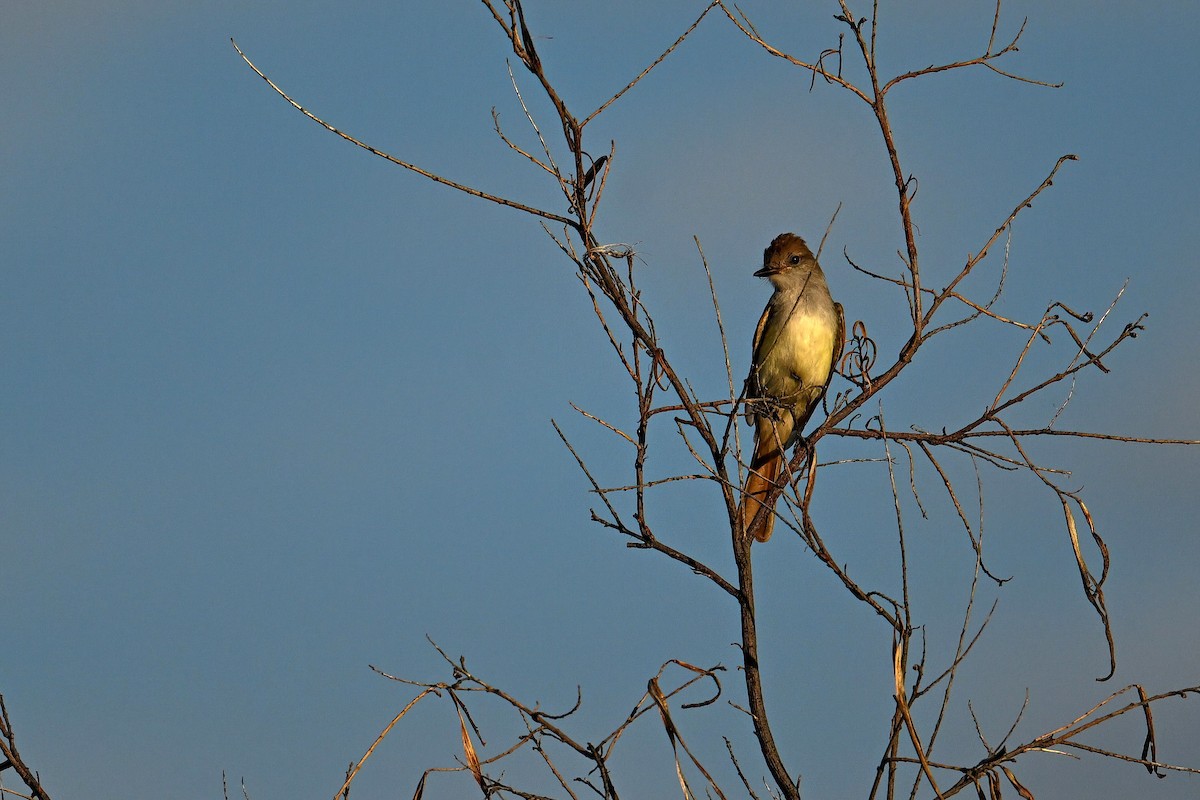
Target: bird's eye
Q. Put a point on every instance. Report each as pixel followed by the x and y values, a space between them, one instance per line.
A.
pixel 794 260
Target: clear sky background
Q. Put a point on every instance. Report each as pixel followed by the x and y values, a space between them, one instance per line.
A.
pixel 274 410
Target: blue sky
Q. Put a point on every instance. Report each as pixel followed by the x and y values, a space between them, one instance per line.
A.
pixel 274 410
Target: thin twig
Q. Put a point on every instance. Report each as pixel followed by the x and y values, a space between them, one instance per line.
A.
pixel 504 201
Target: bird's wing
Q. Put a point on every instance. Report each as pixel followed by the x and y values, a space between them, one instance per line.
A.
pixel 752 387
pixel 839 341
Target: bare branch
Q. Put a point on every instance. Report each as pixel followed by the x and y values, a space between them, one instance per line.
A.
pixel 398 162
pixel 13 760
pixel 984 60
pixel 653 64
pixel 817 69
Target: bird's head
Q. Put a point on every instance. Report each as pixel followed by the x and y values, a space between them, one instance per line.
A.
pixel 788 255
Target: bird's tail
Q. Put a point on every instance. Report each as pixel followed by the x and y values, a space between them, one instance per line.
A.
pixel 765 468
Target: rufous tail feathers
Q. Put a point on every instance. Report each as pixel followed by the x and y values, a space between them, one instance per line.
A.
pixel 765 469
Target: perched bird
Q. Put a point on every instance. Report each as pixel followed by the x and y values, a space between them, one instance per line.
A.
pixel 799 338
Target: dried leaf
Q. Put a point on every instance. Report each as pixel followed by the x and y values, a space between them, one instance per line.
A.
pixel 660 700
pixel 1092 587
pixel 420 792
pixel 1021 790
pixel 469 752
pixel 898 670
pixel 993 787
pixel 1149 746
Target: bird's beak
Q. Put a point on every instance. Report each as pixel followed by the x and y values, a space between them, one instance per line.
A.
pixel 766 271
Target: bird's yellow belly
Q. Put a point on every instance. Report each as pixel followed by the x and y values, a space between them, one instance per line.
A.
pixel 796 368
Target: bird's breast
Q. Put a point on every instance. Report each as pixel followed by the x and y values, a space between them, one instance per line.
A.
pixel 796 354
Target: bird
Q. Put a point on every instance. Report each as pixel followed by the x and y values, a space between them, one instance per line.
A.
pixel 799 339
